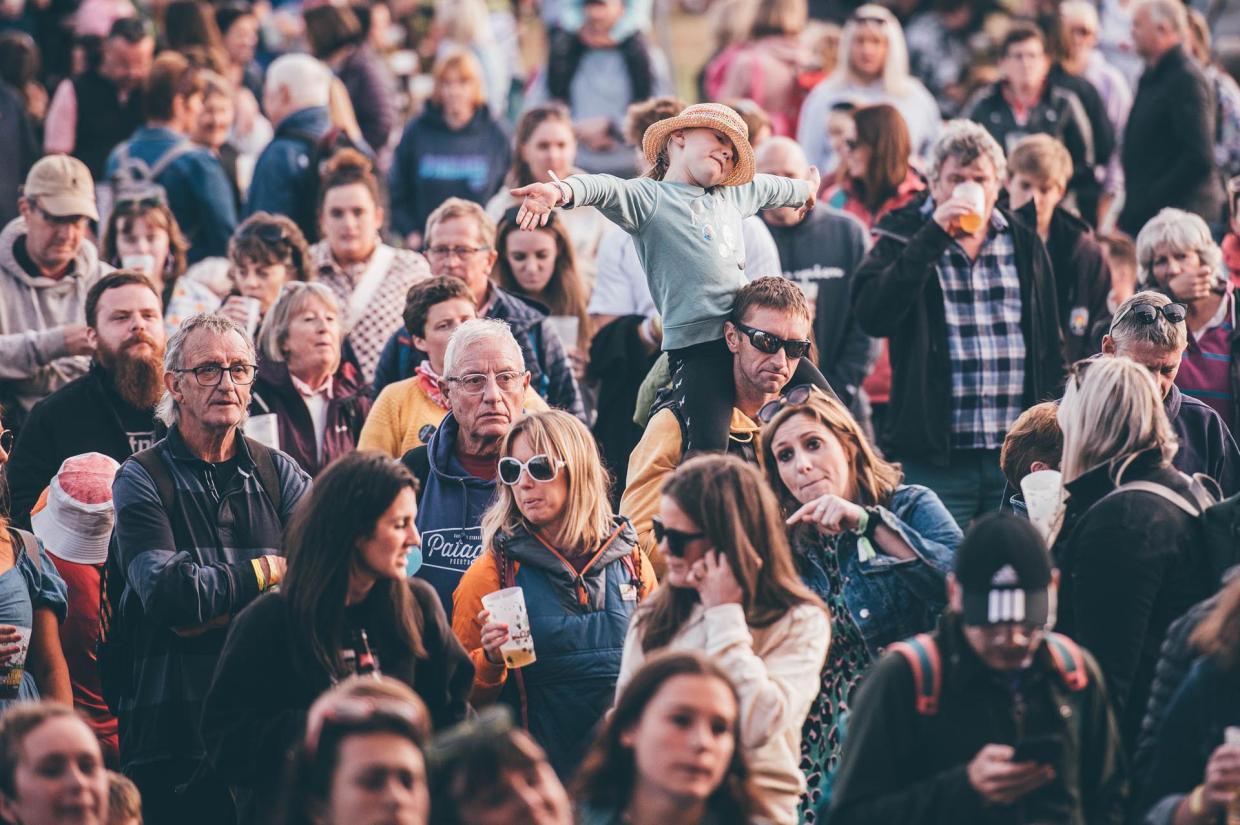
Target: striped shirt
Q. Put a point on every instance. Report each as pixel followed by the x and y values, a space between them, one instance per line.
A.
pixel 1205 371
pixel 985 342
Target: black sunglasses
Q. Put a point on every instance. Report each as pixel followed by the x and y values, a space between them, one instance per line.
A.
pixel 796 396
pixel 1148 313
pixel 677 540
pixel 7 437
pixel 764 341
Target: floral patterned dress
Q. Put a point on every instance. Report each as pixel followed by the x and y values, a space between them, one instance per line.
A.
pixel 847 659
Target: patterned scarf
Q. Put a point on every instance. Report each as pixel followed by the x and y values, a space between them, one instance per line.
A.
pixel 429 382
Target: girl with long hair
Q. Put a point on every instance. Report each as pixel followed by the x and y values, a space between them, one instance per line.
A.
pixel 874 176
pixel 732 590
pixel 347 606
pixel 875 550
pixel 670 751
pixel 544 144
pixel 553 533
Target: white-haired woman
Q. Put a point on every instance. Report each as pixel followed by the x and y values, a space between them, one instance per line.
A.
pixel 553 533
pixel 312 402
pixel 1177 254
pixel 1129 559
pixel 873 68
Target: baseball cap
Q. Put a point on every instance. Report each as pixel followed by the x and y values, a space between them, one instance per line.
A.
pixel 63 187
pixel 74 517
pixel 1004 569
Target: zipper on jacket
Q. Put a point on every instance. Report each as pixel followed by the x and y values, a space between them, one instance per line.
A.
pixel 579 579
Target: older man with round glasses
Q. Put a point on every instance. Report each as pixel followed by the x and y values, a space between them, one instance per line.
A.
pixel 485 383
pixel 199 519
pixel 1152 330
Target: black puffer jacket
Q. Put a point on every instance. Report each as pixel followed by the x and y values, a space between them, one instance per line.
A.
pixel 896 294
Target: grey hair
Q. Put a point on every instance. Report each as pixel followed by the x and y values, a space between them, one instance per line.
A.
pixel 966 141
pixel 174 352
pixel 308 80
pixel 1116 413
pixel 292 300
pixel 1126 329
pixel 471 333
pixel 1183 232
pixel 1172 12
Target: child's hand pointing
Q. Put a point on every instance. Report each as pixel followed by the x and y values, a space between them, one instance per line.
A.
pixel 814 180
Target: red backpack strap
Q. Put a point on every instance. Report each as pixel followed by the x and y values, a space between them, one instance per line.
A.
pixel 922 654
pixel 1069 661
pixel 633 564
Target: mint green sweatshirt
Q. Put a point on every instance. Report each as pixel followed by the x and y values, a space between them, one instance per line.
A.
pixel 688 240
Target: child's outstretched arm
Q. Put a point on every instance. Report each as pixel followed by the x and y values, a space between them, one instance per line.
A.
pixel 626 203
pixel 814 180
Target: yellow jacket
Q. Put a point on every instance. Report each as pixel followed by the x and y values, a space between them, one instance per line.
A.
pixel 653 459
pixel 403 409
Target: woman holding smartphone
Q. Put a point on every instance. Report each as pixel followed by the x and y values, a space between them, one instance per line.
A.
pixel 733 592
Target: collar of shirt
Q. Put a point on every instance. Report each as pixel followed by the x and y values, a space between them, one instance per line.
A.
pixel 306 392
pixel 1223 314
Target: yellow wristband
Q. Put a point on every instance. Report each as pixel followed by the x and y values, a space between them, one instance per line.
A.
pixel 258 574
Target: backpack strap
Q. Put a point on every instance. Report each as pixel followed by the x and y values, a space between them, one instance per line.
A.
pixel 150 461
pixel 1069 661
pixel 170 155
pixel 30 544
pixel 922 654
pixel 1161 490
pixel 265 469
pixel 508 578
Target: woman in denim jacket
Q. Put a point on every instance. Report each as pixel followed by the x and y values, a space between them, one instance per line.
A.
pixel 875 550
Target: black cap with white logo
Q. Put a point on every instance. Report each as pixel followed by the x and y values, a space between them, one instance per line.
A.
pixel 1004 569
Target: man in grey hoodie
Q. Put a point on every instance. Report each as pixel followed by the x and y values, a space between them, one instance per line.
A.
pixel 47 265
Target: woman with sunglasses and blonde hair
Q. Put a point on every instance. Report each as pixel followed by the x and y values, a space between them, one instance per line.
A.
pixel 875 550
pixel 733 592
pixel 553 533
pixel 1130 559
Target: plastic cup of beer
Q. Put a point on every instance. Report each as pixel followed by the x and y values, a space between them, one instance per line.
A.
pixel 507 606
pixel 11 670
pixel 971 221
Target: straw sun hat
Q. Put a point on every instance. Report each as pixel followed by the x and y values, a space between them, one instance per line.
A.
pixel 706 116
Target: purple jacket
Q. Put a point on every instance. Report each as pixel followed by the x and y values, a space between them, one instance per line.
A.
pixel 274 393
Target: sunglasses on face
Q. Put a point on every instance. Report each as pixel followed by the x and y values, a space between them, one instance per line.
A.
pixel 541 468
pixel 795 397
pixel 7 437
pixel 1148 314
pixel 764 341
pixel 677 540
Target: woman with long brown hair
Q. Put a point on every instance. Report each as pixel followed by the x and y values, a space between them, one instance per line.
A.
pixel 670 751
pixel 732 590
pixel 545 144
pixel 874 175
pixel 876 550
pixel 348 605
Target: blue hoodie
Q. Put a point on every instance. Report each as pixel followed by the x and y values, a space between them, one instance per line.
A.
pixel 450 514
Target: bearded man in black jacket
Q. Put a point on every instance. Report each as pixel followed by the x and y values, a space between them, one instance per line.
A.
pixel 111 409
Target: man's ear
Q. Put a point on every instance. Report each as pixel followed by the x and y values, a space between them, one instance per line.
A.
pixel 1108 345
pixel 732 336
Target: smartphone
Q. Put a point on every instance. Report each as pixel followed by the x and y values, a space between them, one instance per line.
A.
pixel 1045 750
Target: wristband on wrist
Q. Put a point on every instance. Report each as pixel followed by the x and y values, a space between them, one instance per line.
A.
pixel 1197 802
pixel 866 526
pixel 566 192
pixel 258 574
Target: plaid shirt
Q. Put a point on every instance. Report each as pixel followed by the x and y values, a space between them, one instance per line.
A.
pixel 985 342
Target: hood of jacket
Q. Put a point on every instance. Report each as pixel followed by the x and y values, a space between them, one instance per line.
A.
pixel 314 120
pixel 440 452
pixel 84 263
pixel 519 312
pixel 527 549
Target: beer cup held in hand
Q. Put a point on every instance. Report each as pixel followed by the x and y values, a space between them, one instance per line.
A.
pixel 507 606
pixel 971 221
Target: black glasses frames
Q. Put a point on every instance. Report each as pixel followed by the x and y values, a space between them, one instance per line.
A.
pixel 7 437
pixel 1147 314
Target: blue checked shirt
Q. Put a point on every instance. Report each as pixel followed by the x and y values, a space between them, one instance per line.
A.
pixel 985 342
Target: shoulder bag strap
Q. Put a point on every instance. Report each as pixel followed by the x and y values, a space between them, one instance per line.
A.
pixel 265 469
pixel 30 544
pixel 1160 490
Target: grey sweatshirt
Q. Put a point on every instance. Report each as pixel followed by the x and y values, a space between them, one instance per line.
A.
pixel 33 359
pixel 688 240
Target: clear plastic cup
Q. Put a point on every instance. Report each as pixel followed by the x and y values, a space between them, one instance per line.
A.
pixel 1043 493
pixel 971 221
pixel 507 606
